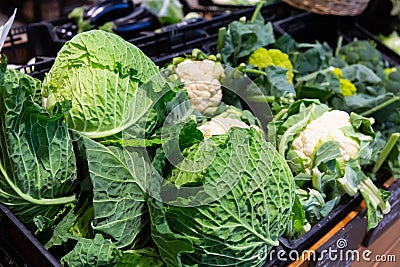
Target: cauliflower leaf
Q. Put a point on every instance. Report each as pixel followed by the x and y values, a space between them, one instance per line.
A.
pixel 327 149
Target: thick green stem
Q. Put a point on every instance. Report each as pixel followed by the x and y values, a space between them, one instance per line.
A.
pixel 42 201
pixel 385 151
pixel 339 45
pixel 375 195
pixel 318 196
pixel 316 182
pixel 221 38
pixel 314 74
pixel 379 107
pixel 280 114
pixel 347 187
pixel 256 11
pixel 254 71
pixel 270 99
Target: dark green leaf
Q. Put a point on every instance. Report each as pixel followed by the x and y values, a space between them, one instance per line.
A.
pixel 38 169
pixel 61 230
pixel 92 252
pixel 170 245
pixel 119 205
pixel 241 39
pixel 297 221
pixel 286 44
pixel 315 58
pixel 224 232
pixel 328 207
pixel 274 82
pixel 322 87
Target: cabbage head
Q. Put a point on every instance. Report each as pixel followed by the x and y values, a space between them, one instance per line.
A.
pixel 234 227
pixel 101 73
pixel 37 162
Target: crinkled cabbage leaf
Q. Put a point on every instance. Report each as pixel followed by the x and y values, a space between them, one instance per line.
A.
pixel 119 203
pixel 37 162
pixel 102 74
pixel 246 205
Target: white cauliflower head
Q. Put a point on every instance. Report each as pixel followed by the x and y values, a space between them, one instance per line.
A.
pixel 220 125
pixel 326 128
pixel 202 82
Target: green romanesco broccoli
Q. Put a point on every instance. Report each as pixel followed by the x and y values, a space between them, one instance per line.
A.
pixel 272 57
pixel 347 88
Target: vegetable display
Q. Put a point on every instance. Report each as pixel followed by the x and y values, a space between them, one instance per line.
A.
pixel 326 150
pixel 148 177
pixel 112 161
pixel 325 136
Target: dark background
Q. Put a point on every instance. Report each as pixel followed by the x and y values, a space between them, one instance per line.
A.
pixel 37 10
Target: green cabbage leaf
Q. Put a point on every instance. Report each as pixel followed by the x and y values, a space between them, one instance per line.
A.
pixel 102 75
pixel 37 162
pixel 244 197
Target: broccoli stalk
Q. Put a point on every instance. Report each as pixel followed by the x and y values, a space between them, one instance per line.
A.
pixel 381 106
pixel 355 180
pixel 377 202
pixel 386 151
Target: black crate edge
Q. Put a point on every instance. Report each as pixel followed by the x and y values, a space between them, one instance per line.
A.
pixel 324 226
pixel 348 238
pixel 17 47
pixel 18 243
pixel 309 27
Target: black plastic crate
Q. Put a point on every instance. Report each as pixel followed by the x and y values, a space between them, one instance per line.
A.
pixel 219 8
pixel 44 39
pixel 208 8
pixel 377 19
pixel 38 69
pixel 18 246
pixel 272 12
pixel 316 232
pixel 342 244
pixel 161 46
pixel 168 40
pixel 17 47
pixel 309 28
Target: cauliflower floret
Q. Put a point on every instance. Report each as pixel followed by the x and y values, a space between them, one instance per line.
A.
pixel 201 80
pixel 326 128
pixel 220 125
